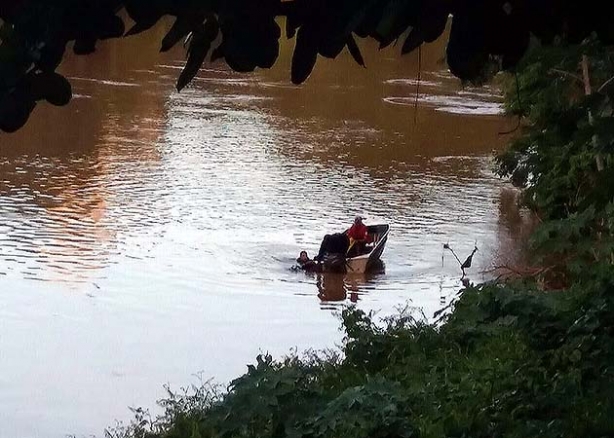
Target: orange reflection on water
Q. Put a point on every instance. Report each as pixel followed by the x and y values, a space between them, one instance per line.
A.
pixel 66 165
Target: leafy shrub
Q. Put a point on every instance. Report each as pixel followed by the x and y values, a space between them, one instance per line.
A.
pixel 510 361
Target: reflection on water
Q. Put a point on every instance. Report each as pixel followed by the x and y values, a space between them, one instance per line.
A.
pixel 437 91
pixel 334 287
pixel 144 232
pixel 338 289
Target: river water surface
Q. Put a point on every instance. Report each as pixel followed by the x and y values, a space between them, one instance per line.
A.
pixel 146 235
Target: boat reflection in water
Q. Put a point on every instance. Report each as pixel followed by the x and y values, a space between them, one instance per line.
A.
pixel 335 289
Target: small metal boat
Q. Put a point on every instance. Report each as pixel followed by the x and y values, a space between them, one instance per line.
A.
pixel 368 259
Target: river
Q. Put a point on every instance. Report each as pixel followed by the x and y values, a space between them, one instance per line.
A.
pixel 146 235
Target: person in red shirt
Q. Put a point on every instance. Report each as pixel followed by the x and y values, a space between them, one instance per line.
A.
pixel 359 236
pixel 350 241
pixel 358 231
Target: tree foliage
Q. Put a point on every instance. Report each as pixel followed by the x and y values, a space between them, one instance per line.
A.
pixel 486 35
pixel 563 155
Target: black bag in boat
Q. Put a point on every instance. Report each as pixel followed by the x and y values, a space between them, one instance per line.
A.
pixel 333 250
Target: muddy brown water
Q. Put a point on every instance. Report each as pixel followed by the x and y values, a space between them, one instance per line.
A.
pixel 146 235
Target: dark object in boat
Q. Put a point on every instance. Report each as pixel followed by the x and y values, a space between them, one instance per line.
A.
pixel 335 258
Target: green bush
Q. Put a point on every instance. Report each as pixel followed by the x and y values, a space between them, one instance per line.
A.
pixel 562 155
pixel 510 361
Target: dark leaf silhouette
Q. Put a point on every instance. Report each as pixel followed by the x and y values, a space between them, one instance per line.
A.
pixel 237 53
pixel 355 51
pixel 141 26
pixel 338 27
pixel 250 33
pixel 267 50
pixel 305 54
pixel 396 18
pixel 15 110
pixel 111 26
pixel 467 55
pixel 180 29
pixel 433 19
pixel 57 89
pixel 251 46
pixel 37 85
pixel 413 41
pixel 292 23
pixel 51 56
pixel 371 19
pixel 486 36
pixel 200 44
pixel 145 13
pixel 212 28
pixel 353 12
pixel 331 48
pixel 217 53
pixel 508 37
pixel 84 46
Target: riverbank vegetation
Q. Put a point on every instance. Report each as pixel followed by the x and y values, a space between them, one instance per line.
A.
pixel 528 357
pixel 562 159
pixel 510 361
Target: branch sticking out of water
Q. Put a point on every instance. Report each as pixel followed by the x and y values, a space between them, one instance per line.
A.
pixel 463 265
